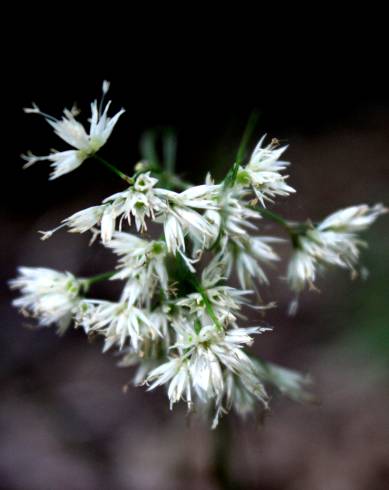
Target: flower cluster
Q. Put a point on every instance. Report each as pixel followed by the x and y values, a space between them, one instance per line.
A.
pixel 74 134
pixel 50 296
pixel 334 241
pixel 179 316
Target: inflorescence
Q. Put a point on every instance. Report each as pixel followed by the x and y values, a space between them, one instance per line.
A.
pixel 177 318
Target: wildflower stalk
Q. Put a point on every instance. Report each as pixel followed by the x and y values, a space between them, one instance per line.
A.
pixel 97 278
pixel 113 169
pixel 271 215
pixel 292 230
pixel 208 304
pixel 191 278
pixel 168 303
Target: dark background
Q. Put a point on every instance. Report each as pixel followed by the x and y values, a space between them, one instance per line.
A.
pixel 64 420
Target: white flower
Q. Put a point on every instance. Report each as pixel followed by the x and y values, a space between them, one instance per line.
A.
pixel 160 319
pixel 333 242
pixel 87 220
pixel 233 216
pixel 182 217
pixel 144 268
pixel 121 323
pixel 134 202
pixel 152 347
pixel 203 196
pixel 176 373
pixel 214 272
pixel 180 221
pixel 238 249
pixel 48 295
pixel 246 254
pixel 203 358
pixel 84 220
pixel 63 162
pixel 352 219
pixel 174 234
pixel 73 132
pixel 108 223
pixel 140 257
pixel 301 270
pixel 236 217
pixel 228 347
pixel 139 201
pixel 263 172
pixel 225 300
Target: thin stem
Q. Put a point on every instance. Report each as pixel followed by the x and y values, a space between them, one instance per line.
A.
pixel 295 230
pixel 113 169
pixel 98 278
pixel 191 278
pixel 277 218
pixel 292 230
pixel 208 306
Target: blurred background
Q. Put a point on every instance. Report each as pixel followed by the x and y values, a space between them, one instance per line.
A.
pixel 65 422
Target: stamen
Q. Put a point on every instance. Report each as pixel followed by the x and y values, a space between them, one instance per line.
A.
pixel 105 88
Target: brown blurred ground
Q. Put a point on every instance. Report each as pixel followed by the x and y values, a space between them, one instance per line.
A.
pixel 65 423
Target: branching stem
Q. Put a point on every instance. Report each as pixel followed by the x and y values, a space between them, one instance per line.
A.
pixel 114 169
pixel 87 282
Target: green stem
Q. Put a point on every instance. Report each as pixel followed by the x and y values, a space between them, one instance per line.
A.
pixel 208 306
pixel 113 169
pixel 271 215
pixel 292 230
pixel 191 278
pixel 98 278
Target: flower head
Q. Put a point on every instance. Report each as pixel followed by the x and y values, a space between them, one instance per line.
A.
pixel 71 131
pixel 233 217
pixel 352 219
pixel 141 261
pixel 175 372
pixel 203 360
pixel 122 324
pixel 139 201
pixel 50 296
pixel 247 255
pixel 334 241
pixel 263 172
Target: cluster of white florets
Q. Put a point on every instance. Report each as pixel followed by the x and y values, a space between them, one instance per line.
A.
pixel 181 325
